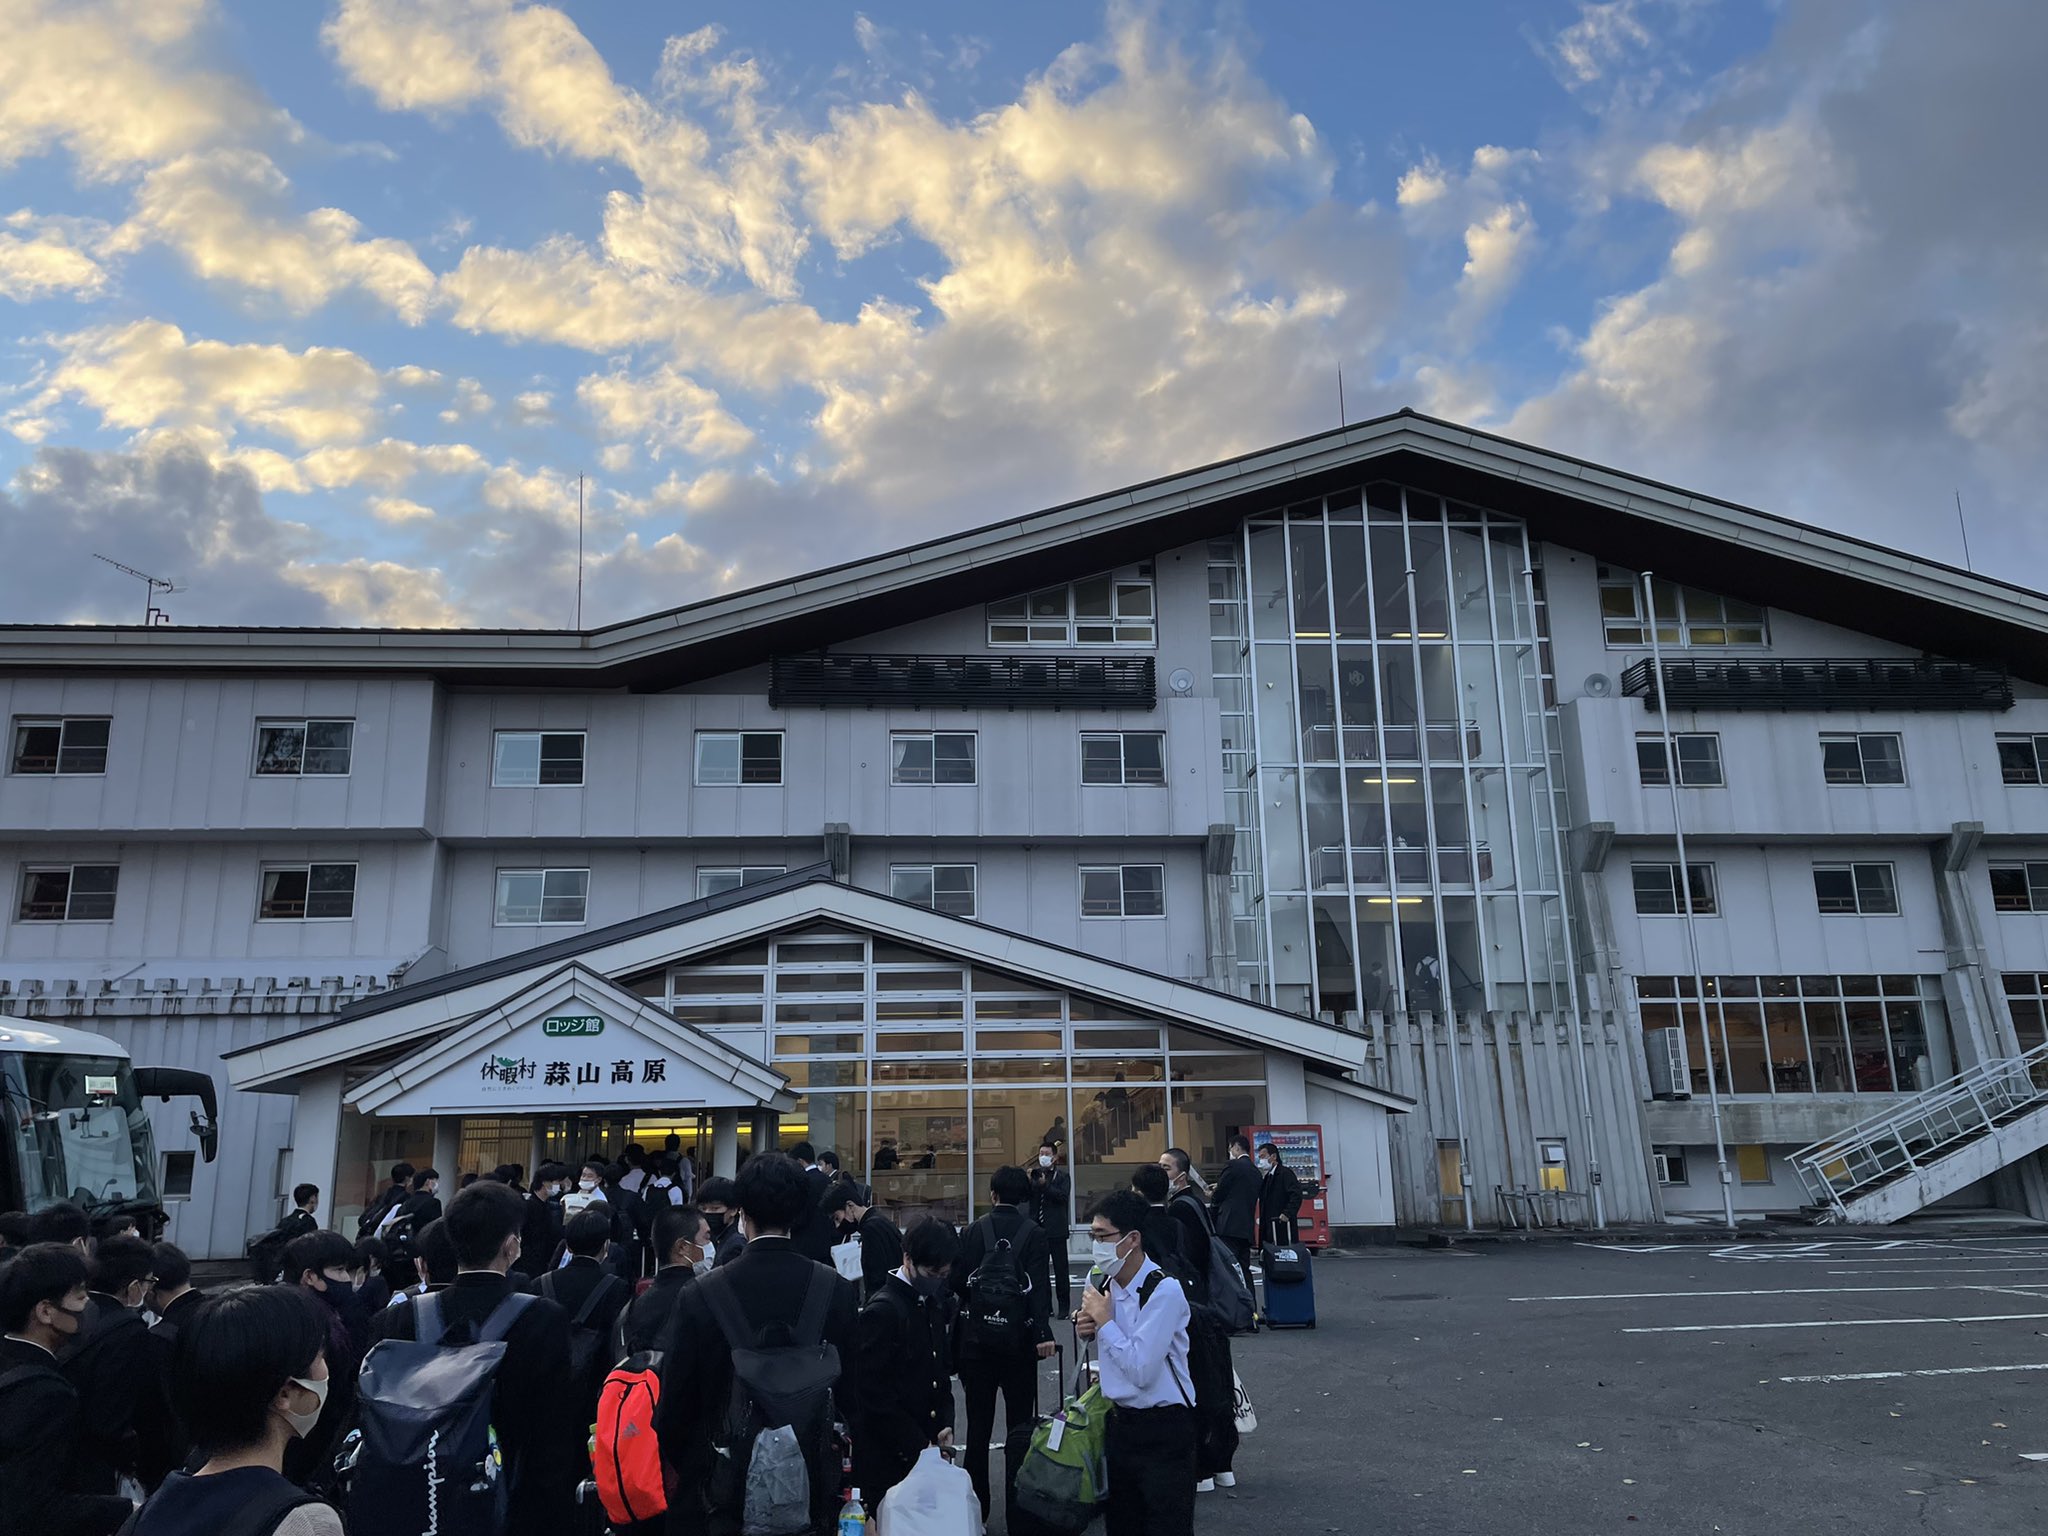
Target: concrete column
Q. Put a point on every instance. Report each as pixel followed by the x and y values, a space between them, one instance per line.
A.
pixel 447 1147
pixel 536 1151
pixel 725 1142
pixel 767 1128
pixel 1979 1021
pixel 316 1136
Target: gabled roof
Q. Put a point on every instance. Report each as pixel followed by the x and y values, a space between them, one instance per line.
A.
pixel 431 1008
pixel 1605 512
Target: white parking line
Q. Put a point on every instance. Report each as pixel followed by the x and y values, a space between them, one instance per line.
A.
pixel 1952 1370
pixel 1989 1269
pixel 1841 1322
pixel 2024 1455
pixel 1804 1290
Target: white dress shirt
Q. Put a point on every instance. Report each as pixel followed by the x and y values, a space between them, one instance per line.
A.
pixel 1144 1349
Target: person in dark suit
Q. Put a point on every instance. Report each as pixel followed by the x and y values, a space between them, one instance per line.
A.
pixel 126 1422
pixel 266 1253
pixel 1234 1206
pixel 1160 1232
pixel 1279 1196
pixel 718 1199
pixel 43 1305
pixel 682 1238
pixel 174 1302
pixel 540 1226
pixel 813 1234
pixel 323 1264
pixel 770 1281
pixel 1014 1371
pixel 592 1294
pixel 897 1392
pixel 542 1442
pixel 392 1196
pixel 1052 1206
pixel 1185 1206
pixel 881 1245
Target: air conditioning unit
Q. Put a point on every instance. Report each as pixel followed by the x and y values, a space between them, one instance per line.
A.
pixel 1670 1071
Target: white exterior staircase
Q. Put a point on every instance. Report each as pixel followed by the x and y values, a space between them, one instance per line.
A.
pixel 1931 1145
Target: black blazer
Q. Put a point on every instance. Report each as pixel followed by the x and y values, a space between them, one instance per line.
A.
pixel 647 1314
pixel 540 1229
pixel 125 1418
pixel 1234 1203
pixel 1052 1201
pixel 535 1418
pixel 1191 1221
pixel 1279 1198
pixel 39 1445
pixel 897 1391
pixel 814 1233
pixel 769 1279
pixel 571 1286
pixel 881 1251
pixel 1033 1259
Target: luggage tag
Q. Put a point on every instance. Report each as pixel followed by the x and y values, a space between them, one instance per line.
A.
pixel 1057 1433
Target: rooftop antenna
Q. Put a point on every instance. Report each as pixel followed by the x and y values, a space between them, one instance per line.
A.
pixel 1960 523
pixel 151 613
pixel 579 551
pixel 1342 419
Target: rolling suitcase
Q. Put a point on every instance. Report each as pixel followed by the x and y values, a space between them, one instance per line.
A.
pixel 1290 1286
pixel 1016 1442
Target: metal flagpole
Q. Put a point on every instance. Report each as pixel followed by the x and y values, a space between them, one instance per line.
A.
pixel 1692 936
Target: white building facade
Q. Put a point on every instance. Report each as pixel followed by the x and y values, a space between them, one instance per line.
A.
pixel 1315 787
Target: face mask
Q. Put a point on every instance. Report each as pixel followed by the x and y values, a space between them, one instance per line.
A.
pixel 719 1224
pixel 930 1287
pixel 702 1266
pixel 1107 1254
pixel 1044 1161
pixel 302 1423
pixel 77 1316
pixel 1265 1165
pixel 586 1185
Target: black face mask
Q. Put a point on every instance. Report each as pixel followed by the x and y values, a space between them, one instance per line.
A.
pixel 718 1223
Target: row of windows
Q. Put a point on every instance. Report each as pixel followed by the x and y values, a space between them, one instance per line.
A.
pixel 85 893
pixel 1860 890
pixel 1101 610
pixel 1846 757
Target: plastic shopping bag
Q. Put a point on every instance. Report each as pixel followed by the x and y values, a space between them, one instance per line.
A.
pixel 846 1259
pixel 935 1499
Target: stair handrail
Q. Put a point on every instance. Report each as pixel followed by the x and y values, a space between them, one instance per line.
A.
pixel 1989 1079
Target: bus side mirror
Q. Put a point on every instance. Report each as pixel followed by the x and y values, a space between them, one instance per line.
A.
pixel 169 1083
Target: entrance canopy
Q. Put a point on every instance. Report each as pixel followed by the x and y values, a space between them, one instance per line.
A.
pixel 569 1043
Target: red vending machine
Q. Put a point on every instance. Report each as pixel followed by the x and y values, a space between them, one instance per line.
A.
pixel 1301 1148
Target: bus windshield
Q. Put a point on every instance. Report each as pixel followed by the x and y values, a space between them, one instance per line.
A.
pixel 76 1130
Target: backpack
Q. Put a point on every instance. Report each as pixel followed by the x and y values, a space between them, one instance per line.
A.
pixel 258 1515
pixel 427 1458
pixel 625 1456
pixel 1063 1481
pixel 776 1469
pixel 1228 1300
pixel 376 1211
pixel 587 1347
pixel 1211 1385
pixel 996 1318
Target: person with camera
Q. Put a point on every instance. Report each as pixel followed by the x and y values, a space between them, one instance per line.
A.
pixel 1051 1206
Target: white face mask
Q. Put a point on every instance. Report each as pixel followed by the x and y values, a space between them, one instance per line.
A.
pixel 702 1266
pixel 586 1185
pixel 1044 1161
pixel 302 1423
pixel 1107 1254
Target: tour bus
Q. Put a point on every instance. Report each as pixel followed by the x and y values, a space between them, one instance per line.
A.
pixel 73 1126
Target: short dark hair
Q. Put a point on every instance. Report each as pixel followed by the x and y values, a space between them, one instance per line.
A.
pixel 635 1155
pixel 14 1229
pixel 667 1165
pixel 1267 1146
pixel 401 1173
pixel 931 1243
pixel 479 1220
pixel 596 1165
pixel 829 1159
pixel 1149 1180
pixel 119 1262
pixel 317 1251
pixel 468 1179
pixel 804 1152
pixel 772 1192
pixel 548 1171
pixel 587 1233
pixel 1123 1209
pixel 420 1179
pixel 1240 1143
pixel 40 1272
pixel 674 1224
pixel 61 1222
pixel 374 1252
pixel 1049 1145
pixel 301 1193
pixel 235 1355
pixel 104 1227
pixel 436 1251
pixel 718 1191
pixel 1182 1163
pixel 839 1194
pixel 173 1269
pixel 1010 1185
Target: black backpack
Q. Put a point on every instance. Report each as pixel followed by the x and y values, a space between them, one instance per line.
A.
pixel 427 1458
pixel 590 1356
pixel 777 1467
pixel 259 1515
pixel 996 1319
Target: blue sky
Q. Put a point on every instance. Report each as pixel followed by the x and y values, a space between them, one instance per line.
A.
pixel 321 308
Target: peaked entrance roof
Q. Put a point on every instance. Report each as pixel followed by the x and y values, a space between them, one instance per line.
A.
pixel 468 1000
pixel 1619 517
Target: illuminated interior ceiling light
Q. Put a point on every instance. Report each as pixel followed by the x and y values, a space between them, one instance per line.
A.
pixel 1395 901
pixel 1427 634
pixel 1364 782
pixel 1311 634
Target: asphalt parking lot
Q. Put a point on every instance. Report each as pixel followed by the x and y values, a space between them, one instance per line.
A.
pixel 1559 1389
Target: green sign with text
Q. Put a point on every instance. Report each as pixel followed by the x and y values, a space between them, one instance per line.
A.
pixel 561 1024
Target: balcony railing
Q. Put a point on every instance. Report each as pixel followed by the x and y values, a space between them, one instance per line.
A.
pixel 1922 683
pixel 1448 741
pixel 1012 682
pixel 1410 866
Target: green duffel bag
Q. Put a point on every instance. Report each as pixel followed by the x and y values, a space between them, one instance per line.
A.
pixel 1064 1479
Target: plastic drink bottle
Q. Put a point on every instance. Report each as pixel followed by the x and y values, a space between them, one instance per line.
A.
pixel 853 1516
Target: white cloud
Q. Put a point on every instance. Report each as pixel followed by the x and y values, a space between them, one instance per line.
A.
pixel 1605 33
pixel 1496 250
pixel 665 409
pixel 396 509
pixel 44 256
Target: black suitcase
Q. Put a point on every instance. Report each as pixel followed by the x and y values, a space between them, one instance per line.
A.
pixel 1015 1444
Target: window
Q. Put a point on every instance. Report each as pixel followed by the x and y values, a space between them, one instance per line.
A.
pixel 1868 890
pixel 1103 610
pixel 74 893
pixel 1862 760
pixel 1753 1164
pixel 739 757
pixel 1123 890
pixel 525 759
pixel 527 897
pixel 1686 616
pixel 710 882
pixel 2019 887
pixel 2026 994
pixel 2023 759
pixel 1123 757
pixel 176 1183
pixel 60 746
pixel 1670 1163
pixel 303 748
pixel 1657 889
pixel 307 893
pixel 1797 1035
pixel 947 888
pixel 1699 760
pixel 931 757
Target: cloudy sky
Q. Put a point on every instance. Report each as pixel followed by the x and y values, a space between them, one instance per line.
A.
pixel 320 308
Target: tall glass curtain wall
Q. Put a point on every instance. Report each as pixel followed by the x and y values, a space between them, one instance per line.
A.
pixel 927 1075
pixel 1391 742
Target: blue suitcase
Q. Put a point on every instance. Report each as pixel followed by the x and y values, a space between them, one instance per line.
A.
pixel 1290 1287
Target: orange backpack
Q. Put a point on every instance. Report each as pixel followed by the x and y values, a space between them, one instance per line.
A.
pixel 625 1456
